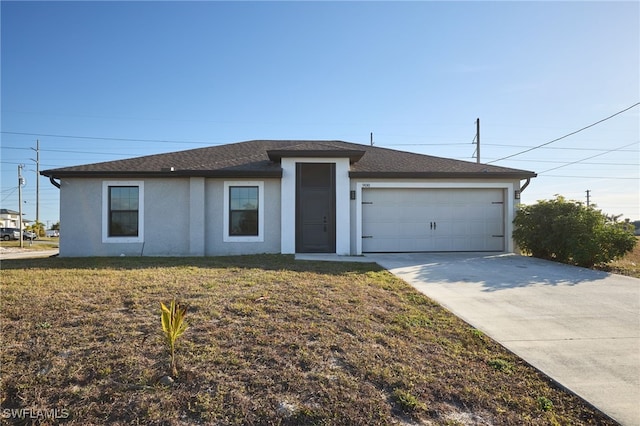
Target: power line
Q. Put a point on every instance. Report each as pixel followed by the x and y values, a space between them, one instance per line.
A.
pixel 567 135
pixel 79 152
pixel 387 145
pixel 422 144
pixel 108 139
pixel 9 194
pixel 589 163
pixel 66 151
pixel 592 177
pixel 42 164
pixel 588 158
pixel 555 147
pixel 212 143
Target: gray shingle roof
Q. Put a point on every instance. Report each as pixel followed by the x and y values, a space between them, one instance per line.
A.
pixel 260 158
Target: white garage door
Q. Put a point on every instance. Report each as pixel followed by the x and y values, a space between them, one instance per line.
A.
pixel 411 219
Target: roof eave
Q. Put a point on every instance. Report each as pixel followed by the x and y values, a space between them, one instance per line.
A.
pixel 441 175
pixel 162 174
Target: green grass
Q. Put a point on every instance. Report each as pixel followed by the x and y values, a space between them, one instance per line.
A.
pixel 270 341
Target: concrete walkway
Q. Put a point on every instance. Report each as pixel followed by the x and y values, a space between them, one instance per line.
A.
pixel 326 257
pixel 578 326
pixel 26 254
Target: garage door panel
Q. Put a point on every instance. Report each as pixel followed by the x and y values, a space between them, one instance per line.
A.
pixel 411 219
pixel 461 230
pixel 494 229
pixel 390 230
pixel 412 230
pixel 460 213
pixel 410 214
pixel 381 229
pixel 400 245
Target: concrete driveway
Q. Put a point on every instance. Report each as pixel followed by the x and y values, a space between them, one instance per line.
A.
pixel 578 326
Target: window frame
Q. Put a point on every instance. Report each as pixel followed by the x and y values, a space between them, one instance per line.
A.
pixel 227 237
pixel 254 229
pixel 106 212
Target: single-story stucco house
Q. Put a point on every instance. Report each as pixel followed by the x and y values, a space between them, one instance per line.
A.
pixel 277 196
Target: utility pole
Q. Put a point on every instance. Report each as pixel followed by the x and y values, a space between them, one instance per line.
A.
pixel 476 140
pixel 588 191
pixel 371 138
pixel 37 160
pixel 20 183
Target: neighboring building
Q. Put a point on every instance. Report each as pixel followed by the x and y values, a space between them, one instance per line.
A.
pixel 9 218
pixel 285 197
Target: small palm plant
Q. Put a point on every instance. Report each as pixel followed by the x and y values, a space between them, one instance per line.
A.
pixel 173 325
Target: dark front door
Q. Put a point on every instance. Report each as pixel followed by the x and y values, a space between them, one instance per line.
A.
pixel 315 208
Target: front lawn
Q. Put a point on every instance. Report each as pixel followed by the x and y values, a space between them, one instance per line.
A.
pixel 270 341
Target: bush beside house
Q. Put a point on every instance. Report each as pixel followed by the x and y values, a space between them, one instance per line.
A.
pixel 569 232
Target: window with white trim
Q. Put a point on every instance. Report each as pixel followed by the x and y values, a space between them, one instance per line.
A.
pixel 243 211
pixel 122 211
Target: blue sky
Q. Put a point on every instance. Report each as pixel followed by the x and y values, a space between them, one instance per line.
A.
pixel 101 81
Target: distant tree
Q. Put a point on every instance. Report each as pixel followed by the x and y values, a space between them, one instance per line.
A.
pixel 38 228
pixel 570 232
pixel 55 226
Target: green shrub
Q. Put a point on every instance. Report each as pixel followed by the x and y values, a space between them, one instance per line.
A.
pixel 544 403
pixel 500 365
pixel 570 232
pixel 406 400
